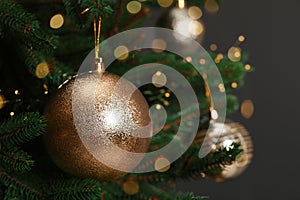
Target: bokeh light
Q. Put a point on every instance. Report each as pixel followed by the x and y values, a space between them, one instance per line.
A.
pixel 57 21
pixel 195 12
pixel 234 54
pixel 134 7
pixel 131 187
pixel 159 79
pixel 42 70
pixel 211 6
pixel 165 3
pixel 159 45
pixel 162 164
pixel 247 109
pixel 121 52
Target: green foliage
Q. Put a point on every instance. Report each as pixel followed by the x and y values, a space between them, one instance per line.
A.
pixel 75 189
pixel 17 20
pixel 15 159
pixel 210 165
pixel 232 104
pixel 19 189
pixel 21 128
pixel 96 8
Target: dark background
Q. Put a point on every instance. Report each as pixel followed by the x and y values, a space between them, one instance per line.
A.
pixel 272 39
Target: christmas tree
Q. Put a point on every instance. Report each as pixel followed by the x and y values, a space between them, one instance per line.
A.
pixel 43 46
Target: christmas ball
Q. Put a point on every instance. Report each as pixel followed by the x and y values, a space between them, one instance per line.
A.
pixel 182 21
pixel 114 125
pixel 231 132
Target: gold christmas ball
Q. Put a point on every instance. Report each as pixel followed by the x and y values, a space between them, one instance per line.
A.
pixel 184 22
pixel 115 124
pixel 232 132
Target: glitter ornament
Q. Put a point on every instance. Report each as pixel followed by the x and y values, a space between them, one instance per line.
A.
pixel 231 132
pixel 115 124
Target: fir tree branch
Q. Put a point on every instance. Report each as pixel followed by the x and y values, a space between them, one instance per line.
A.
pixel 16 159
pixel 21 128
pixel 18 20
pixel 75 189
pixel 17 187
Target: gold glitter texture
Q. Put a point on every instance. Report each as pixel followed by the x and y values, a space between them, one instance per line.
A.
pixel 116 120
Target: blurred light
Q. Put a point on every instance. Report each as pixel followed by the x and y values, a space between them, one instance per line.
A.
pixel 165 3
pixel 221 87
pixel 162 164
pixel 159 79
pixel 167 94
pixel 134 7
pixel 227 144
pixel 214 114
pixel 46 92
pixel 247 109
pixel 11 113
pixel 247 67
pixel 158 106
pixel 56 21
pixel 195 12
pixel 196 28
pixel 2 101
pixel 213 47
pixel 121 52
pixel 234 54
pixel 234 85
pixel 202 61
pixel 181 4
pixel 189 59
pixel 211 6
pixel 17 92
pixel 131 187
pixel 166 103
pixel 42 70
pixel 241 38
pixel 159 45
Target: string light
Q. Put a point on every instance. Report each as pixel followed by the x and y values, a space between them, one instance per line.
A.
pixel 247 67
pixel 11 114
pixel 189 59
pixel 167 94
pixel 158 106
pixel 121 52
pixel 57 21
pixel 166 103
pixel 234 85
pixel 162 164
pixel 234 54
pixel 241 38
pixel 202 61
pixel 213 47
pixel 17 92
pixel 221 87
pixel 134 7
pixel 165 3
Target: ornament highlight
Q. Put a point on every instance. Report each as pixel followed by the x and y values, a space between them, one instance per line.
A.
pixel 115 124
